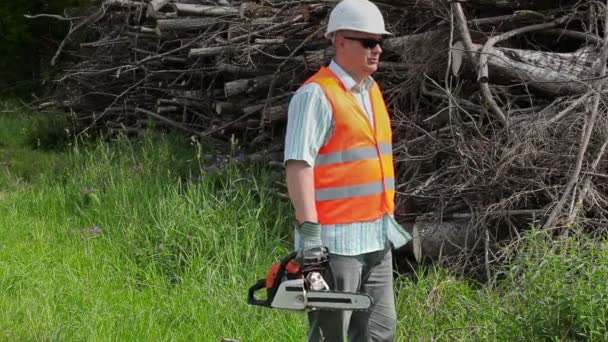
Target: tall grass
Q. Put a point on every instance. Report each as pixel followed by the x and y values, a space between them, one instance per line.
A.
pixel 145 240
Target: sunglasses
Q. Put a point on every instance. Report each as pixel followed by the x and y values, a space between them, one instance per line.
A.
pixel 368 43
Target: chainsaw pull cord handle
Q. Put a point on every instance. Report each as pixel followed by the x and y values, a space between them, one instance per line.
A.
pixel 262 284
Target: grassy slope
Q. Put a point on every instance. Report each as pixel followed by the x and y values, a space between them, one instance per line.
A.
pixel 178 244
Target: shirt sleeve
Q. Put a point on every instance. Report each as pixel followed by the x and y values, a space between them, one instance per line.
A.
pixel 308 124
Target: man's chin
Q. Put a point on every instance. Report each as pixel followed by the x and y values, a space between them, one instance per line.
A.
pixel 371 68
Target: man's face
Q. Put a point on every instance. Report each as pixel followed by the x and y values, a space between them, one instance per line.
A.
pixel 360 51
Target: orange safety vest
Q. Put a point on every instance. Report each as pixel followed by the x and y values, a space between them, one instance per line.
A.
pixel 353 172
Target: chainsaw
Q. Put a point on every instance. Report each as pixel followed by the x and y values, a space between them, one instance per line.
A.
pixel 288 287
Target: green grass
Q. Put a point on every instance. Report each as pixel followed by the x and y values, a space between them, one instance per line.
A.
pixel 143 240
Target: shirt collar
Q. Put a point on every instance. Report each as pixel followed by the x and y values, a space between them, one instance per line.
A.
pixel 348 81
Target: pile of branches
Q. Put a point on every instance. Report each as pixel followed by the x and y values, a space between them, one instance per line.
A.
pixel 498 107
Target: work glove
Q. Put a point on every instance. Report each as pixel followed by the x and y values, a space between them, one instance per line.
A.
pixel 313 256
pixel 310 234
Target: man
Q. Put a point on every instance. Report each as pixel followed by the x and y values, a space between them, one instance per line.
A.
pixel 340 178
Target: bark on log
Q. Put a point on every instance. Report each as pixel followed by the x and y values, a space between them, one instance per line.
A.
pixel 503 4
pixel 250 85
pixel 276 113
pixel 161 59
pixel 237 70
pixel 167 109
pixel 272 110
pixel 104 42
pixel 143 29
pixel 226 108
pixel 315 59
pixel 191 9
pixel 551 72
pixel 122 3
pixel 404 43
pixel 251 9
pixel 264 21
pixel 155 7
pixel 497 3
pixel 217 50
pixel 166 25
pixel 141 35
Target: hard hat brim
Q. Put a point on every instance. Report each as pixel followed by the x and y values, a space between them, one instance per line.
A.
pixel 329 35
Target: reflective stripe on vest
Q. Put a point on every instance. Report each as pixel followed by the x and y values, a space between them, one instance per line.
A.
pixel 354 190
pixel 353 171
pixel 368 152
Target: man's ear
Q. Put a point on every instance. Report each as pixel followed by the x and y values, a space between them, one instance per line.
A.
pixel 335 39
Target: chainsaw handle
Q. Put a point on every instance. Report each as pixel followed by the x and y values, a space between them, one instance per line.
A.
pixel 261 284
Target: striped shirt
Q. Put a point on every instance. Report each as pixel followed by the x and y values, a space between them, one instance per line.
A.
pixel 309 126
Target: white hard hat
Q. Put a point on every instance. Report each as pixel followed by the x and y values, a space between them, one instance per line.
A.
pixel 356 15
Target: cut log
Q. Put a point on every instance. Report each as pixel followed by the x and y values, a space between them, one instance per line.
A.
pixel 167 102
pixel 217 50
pixel 226 108
pixel 247 48
pixel 143 29
pixel 264 21
pixel 403 43
pixel 253 10
pixel 275 114
pixel 141 36
pixel 161 60
pixel 433 240
pixel 167 109
pixel 123 3
pixel 251 85
pixel 550 72
pixel 269 41
pixel 237 87
pixel 166 25
pixel 497 3
pixel 202 10
pixel 315 59
pixel 458 57
pixel 155 6
pixel 187 94
pixel 273 111
pixel 105 42
pixel 237 70
pixel 503 4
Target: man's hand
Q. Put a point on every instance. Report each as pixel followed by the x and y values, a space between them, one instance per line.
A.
pixel 310 234
pixel 313 255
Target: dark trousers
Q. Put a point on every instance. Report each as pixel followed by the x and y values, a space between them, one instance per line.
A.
pixel 370 273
